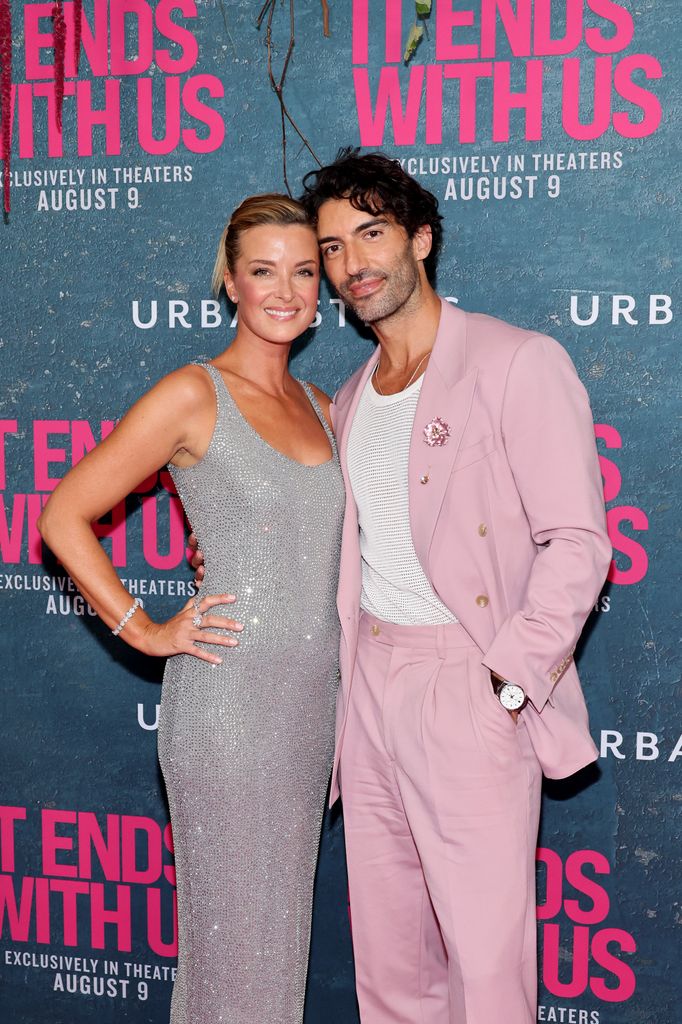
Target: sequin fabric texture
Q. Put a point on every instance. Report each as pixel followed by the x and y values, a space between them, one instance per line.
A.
pixel 246 747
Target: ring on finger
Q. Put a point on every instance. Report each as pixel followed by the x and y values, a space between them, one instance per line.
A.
pixel 198 614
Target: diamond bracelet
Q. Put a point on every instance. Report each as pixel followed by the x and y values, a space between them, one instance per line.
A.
pixel 128 616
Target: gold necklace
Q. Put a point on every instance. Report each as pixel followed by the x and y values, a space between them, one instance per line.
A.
pixel 405 386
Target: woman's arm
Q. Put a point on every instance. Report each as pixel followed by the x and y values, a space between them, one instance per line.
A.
pixel 172 421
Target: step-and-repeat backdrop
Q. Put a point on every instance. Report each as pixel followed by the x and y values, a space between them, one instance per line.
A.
pixel 545 128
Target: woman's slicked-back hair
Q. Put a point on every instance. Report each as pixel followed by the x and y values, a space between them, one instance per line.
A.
pixel 375 184
pixel 253 212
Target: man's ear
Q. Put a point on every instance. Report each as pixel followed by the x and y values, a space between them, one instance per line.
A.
pixel 422 241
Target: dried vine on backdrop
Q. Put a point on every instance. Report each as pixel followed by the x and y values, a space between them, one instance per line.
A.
pixel 6 94
pixel 267 14
pixel 59 37
pixel 77 32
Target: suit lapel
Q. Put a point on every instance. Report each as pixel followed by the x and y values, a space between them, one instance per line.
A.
pixel 447 394
pixel 350 576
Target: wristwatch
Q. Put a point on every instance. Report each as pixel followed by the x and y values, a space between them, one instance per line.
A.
pixel 511 696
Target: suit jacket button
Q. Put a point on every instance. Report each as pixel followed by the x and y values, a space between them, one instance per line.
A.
pixel 482 530
pixel 374 630
pixel 482 601
pixel 424 479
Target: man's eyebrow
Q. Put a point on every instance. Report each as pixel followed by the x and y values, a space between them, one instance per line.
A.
pixel 381 221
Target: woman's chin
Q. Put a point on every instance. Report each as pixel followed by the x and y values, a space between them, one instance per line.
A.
pixel 286 332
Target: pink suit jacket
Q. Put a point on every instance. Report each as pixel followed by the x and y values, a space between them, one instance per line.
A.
pixel 509 527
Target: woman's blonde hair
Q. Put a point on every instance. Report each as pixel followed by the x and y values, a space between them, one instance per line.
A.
pixel 269 208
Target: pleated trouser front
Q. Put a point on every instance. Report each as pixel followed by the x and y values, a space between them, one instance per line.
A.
pixel 441 798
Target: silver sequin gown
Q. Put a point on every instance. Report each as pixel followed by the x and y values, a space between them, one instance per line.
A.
pixel 246 746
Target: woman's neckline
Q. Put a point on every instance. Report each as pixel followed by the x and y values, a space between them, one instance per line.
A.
pixel 266 444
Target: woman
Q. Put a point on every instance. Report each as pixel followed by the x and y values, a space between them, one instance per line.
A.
pixel 247 707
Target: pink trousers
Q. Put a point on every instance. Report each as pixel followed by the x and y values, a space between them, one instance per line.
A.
pixel 441 798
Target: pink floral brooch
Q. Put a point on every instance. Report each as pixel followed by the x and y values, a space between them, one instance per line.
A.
pixel 436 433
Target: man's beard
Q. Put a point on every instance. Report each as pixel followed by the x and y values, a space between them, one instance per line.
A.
pixel 401 283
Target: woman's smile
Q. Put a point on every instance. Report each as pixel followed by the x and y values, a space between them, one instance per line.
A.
pixel 282 312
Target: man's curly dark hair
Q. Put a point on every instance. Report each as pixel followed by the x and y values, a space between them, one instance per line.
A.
pixel 375 184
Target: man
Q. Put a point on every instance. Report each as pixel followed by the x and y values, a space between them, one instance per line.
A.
pixel 468 453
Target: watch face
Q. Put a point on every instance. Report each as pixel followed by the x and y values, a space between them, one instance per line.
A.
pixel 511 697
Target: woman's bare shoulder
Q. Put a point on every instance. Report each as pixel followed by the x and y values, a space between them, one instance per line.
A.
pixel 185 387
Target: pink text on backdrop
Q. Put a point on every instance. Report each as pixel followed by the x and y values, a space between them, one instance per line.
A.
pixel 169 110
pixel 598 90
pixel 573 890
pixel 60 444
pixel 629 516
pixel 86 874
